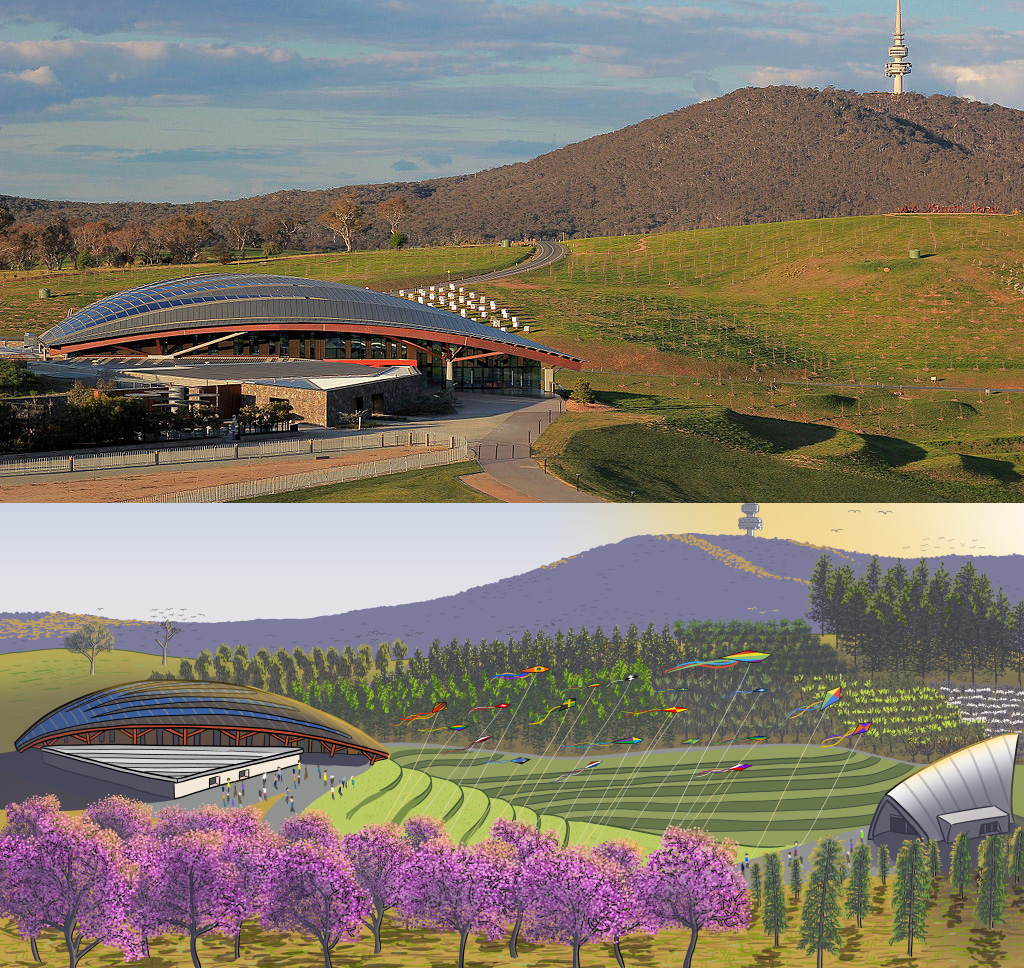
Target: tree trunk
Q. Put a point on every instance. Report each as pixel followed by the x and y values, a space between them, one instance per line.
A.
pixel 378 918
pixel 618 954
pixel 690 948
pixel 92 664
pixel 35 950
pixel 462 949
pixel 327 954
pixel 193 938
pixel 575 955
pixel 512 953
pixel 238 944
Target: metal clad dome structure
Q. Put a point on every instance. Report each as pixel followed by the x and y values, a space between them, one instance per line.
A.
pixel 228 302
pixel 970 790
pixel 142 712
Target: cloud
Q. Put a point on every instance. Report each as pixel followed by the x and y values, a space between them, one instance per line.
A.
pixel 1001 83
pixel 42 76
pixel 437 159
pixel 404 165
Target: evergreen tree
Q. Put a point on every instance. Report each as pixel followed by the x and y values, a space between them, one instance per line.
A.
pixel 910 895
pixel 934 861
pixel 819 930
pixel 992 882
pixel 796 878
pixel 773 914
pixel 819 609
pixel 884 863
pixel 858 892
pixel 960 868
pixel 755 882
pixel 1017 855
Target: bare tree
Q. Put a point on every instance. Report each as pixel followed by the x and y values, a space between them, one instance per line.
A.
pixel 167 632
pixel 344 218
pixel 243 233
pixel 89 640
pixel 394 211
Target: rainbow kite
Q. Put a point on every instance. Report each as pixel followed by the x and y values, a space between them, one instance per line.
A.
pixel 832 696
pixel 518 759
pixel 744 692
pixel 438 729
pixel 554 709
pixel 725 662
pixel 522 673
pixel 625 741
pixel 501 705
pixel 574 772
pixel 438 707
pixel 483 739
pixel 667 709
pixel 856 731
pixel 731 769
pixel 595 685
pixel 691 742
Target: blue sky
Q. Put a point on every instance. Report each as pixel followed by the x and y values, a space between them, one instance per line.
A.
pixel 195 100
pixel 293 560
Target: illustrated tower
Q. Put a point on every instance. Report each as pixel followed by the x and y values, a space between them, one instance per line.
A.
pixel 898 52
pixel 749 522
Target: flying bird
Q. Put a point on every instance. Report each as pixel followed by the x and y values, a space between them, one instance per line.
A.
pixel 885 512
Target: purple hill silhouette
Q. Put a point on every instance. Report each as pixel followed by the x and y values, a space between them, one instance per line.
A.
pixel 648 578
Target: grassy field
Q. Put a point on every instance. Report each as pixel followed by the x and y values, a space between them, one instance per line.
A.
pixel 24 311
pixel 434 485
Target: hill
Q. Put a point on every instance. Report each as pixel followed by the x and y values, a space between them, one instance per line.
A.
pixel 647 578
pixel 753 155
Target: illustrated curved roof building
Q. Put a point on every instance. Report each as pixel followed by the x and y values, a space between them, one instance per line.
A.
pixel 246 302
pixel 142 712
pixel 971 789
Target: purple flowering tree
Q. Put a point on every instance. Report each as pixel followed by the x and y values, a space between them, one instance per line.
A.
pixel 420 829
pixel 248 851
pixel 128 819
pixel 691 881
pixel 313 825
pixel 66 874
pixel 574 897
pixel 187 886
pixel 378 855
pixel 460 889
pixel 313 890
pixel 525 841
pixel 634 915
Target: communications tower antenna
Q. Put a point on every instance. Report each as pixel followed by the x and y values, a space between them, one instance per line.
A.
pixel 898 52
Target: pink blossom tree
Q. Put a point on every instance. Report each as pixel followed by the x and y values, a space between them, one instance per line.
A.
pixel 691 881
pixel 378 855
pixel 313 825
pixel 525 841
pixel 460 889
pixel 313 890
pixel 66 874
pixel 248 850
pixel 422 828
pixel 126 818
pixel 634 915
pixel 574 897
pixel 188 886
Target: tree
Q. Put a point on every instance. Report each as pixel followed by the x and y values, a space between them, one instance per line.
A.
pixel 394 211
pixel 773 913
pixel 934 861
pixel 755 882
pixel 819 930
pixel 420 829
pixel 796 878
pixel 66 874
pixel 525 841
pixel 186 235
pixel 910 895
pixel 243 233
pixel 314 890
pixel 128 819
pixel 884 863
pixel 960 868
pixel 858 891
pixel 819 609
pixel 582 393
pixel 345 218
pixel 1017 854
pixel 55 242
pixel 378 855
pixel 460 889
pixel 167 632
pixel 6 218
pixel 691 882
pixel 89 640
pixel 991 881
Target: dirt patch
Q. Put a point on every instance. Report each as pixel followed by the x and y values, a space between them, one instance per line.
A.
pixel 130 487
pixel 576 407
pixel 492 487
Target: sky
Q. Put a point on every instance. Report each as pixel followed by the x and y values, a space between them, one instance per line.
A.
pixel 182 101
pixel 290 561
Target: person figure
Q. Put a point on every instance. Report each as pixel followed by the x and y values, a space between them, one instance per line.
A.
pixel 293 806
pixel 862 836
pixel 275 782
pixel 332 793
pixel 232 803
pixel 743 870
pixel 332 779
pixel 307 771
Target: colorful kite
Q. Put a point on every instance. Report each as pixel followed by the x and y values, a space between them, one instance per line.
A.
pixel 691 742
pixel 574 772
pixel 522 673
pixel 625 741
pixel 438 729
pixel 722 663
pixel 832 696
pixel 736 739
pixel 501 705
pixel 738 766
pixel 629 678
pixel 856 731
pixel 667 709
pixel 518 759
pixel 569 703
pixel 744 692
pixel 438 707
pixel 483 739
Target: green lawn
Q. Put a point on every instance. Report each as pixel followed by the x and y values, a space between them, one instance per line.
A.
pixel 386 270
pixel 434 485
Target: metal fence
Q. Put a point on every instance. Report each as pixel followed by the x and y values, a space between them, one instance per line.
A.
pixel 219 493
pixel 67 463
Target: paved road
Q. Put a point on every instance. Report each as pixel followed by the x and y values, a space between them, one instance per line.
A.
pixel 546 254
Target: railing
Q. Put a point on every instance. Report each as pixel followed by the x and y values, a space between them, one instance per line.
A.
pixel 208 452
pixel 219 493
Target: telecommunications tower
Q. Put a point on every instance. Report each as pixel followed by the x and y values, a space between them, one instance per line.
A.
pixel 898 52
pixel 749 522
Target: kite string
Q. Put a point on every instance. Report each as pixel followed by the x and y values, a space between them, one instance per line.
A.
pixel 853 749
pixel 405 773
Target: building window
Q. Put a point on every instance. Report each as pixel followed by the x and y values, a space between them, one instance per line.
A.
pixel 358 351
pixel 898 824
pixel 989 828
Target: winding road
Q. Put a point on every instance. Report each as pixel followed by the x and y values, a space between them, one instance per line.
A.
pixel 546 254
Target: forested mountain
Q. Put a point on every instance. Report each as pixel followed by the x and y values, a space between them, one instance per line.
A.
pixel 754 155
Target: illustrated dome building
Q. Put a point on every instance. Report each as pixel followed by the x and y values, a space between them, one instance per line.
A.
pixel 254 315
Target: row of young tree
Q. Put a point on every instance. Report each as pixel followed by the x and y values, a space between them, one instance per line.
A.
pixel 182 237
pixel 119 876
pixel 918 621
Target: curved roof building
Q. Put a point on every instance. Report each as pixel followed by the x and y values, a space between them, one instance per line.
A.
pixel 200 713
pixel 243 314
pixel 970 790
